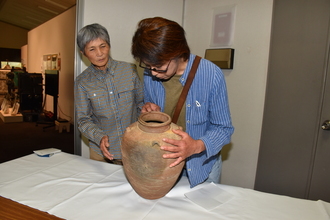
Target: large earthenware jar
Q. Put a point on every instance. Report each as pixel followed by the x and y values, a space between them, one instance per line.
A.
pixel 145 168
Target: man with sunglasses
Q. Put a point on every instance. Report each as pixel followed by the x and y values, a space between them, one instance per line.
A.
pixel 161 47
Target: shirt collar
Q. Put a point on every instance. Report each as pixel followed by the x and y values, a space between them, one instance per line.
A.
pixel 110 66
pixel 185 74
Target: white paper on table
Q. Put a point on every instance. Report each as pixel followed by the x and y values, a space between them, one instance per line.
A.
pixel 47 152
pixel 209 197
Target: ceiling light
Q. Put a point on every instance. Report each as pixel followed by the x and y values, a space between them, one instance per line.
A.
pixel 46 9
pixel 57 4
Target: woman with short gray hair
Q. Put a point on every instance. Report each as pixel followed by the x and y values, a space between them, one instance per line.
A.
pixel 108 95
pixel 92 32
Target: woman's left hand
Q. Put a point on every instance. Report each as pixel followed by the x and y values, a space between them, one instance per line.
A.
pixel 183 148
pixel 104 146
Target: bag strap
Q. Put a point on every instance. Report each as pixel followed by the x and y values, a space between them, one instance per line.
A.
pixel 185 89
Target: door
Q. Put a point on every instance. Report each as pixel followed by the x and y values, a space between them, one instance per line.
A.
pixel 320 181
pixel 294 150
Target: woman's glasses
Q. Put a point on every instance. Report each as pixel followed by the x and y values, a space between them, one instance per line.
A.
pixel 142 65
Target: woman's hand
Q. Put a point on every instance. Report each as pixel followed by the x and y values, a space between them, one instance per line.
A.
pixel 183 148
pixel 148 107
pixel 104 145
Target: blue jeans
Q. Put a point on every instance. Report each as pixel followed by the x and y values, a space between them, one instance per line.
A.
pixel 215 173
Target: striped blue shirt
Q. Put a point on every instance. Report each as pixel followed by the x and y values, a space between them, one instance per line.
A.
pixel 207 114
pixel 107 103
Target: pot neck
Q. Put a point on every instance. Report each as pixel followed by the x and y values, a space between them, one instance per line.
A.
pixel 154 122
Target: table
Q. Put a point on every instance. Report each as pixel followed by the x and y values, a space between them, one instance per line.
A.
pixel 73 187
pixel 13 210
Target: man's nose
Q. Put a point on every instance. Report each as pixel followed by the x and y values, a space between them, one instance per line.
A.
pixel 154 73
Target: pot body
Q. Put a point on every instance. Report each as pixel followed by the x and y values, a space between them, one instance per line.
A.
pixel 145 168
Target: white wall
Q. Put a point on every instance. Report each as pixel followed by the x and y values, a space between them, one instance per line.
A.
pixel 121 18
pixel 56 36
pixel 246 82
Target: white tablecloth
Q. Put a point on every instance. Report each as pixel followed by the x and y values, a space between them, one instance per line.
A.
pixel 72 187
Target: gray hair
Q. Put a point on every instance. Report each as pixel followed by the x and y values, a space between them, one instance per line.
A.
pixel 91 32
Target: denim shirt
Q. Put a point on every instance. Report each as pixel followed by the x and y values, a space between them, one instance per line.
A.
pixel 207 114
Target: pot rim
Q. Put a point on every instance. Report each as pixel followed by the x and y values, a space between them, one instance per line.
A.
pixel 154 122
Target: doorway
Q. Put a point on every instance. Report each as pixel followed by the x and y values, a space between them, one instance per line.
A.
pixel 294 149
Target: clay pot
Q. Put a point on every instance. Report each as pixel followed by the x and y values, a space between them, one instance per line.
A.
pixel 145 168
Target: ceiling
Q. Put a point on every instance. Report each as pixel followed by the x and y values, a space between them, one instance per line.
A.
pixel 29 14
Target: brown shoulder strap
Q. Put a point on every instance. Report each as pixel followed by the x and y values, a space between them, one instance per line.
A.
pixel 185 89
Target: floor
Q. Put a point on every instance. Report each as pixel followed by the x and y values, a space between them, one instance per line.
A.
pixel 18 139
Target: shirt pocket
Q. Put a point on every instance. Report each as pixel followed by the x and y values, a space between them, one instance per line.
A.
pixel 199 113
pixel 98 100
pixel 126 94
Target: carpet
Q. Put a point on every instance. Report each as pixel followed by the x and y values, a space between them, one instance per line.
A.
pixel 22 138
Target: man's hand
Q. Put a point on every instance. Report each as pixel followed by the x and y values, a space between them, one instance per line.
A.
pixel 148 107
pixel 104 145
pixel 183 148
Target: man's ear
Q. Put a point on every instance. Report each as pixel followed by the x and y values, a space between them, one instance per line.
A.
pixel 82 53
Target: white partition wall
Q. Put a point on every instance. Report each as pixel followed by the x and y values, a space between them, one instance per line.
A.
pixel 55 37
pixel 246 83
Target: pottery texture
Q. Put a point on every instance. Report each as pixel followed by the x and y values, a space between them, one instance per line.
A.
pixel 145 168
